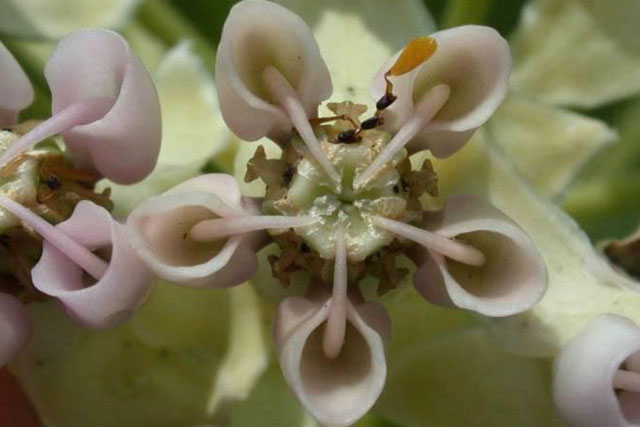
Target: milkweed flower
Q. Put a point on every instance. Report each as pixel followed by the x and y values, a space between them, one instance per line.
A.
pixel 102 106
pixel 343 200
pixel 548 145
pixel 596 375
pixel 582 284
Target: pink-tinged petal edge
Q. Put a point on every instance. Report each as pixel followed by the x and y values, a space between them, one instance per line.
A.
pixel 124 143
pixel 475 62
pixel 160 228
pixel 337 391
pixel 513 277
pixel 258 34
pixel 585 370
pixel 124 285
pixel 16 92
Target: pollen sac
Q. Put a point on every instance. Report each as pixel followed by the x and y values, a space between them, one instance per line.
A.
pixel 371 123
pixel 385 101
pixel 415 53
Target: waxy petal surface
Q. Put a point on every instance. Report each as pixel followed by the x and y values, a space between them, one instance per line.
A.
pixel 132 123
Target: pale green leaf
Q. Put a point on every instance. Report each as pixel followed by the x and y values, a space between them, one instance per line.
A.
pixel 617 20
pixel 193 130
pixel 77 378
pixel 465 380
pixel 158 370
pixel 548 145
pixel 610 186
pixel 565 53
pixel 229 321
pixel 247 354
pixel 179 317
pixel 53 19
pixel 271 404
pixel 417 321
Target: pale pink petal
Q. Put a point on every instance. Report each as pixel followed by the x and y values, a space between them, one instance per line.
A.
pixel 586 369
pixel 124 285
pixel 337 391
pixel 160 231
pixel 259 34
pixel 15 327
pixel 223 186
pixel 475 63
pixel 513 277
pixel 16 92
pixel 83 257
pixel 122 144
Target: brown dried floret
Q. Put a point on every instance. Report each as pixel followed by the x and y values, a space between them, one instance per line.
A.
pixel 423 181
pixel 19 252
pixel 626 254
pixel 295 255
pixel 275 173
pixel 349 109
pixel 268 170
pixel 382 265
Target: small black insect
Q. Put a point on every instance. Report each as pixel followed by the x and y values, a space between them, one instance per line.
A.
pixel 53 183
pixel 347 136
